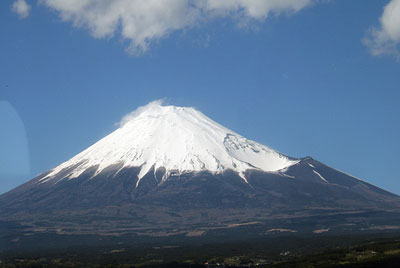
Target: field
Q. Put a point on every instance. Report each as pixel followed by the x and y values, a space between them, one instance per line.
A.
pixel 278 251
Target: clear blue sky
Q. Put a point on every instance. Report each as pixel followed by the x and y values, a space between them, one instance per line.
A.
pixel 300 80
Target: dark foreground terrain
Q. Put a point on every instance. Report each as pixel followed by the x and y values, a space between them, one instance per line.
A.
pixel 340 239
pixel 372 250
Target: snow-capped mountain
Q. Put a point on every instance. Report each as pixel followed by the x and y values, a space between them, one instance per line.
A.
pixel 172 168
pixel 178 139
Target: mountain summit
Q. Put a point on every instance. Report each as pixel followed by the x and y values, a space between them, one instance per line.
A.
pixel 173 171
pixel 178 140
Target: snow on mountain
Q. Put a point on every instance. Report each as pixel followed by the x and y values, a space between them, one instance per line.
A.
pixel 179 139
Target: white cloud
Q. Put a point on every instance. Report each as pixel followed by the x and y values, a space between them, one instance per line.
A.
pixel 256 9
pixel 141 22
pixel 386 38
pixel 21 8
pixel 153 105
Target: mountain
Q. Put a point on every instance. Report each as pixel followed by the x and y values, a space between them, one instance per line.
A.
pixel 171 170
pixel 176 139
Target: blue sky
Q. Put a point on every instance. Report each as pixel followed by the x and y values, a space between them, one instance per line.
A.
pixel 318 78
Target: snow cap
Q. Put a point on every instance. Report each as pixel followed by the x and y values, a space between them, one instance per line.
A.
pixel 176 139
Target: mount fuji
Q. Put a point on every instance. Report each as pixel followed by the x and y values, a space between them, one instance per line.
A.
pixel 171 170
pixel 177 140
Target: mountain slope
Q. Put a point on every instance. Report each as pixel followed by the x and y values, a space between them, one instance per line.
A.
pixel 172 168
pixel 177 139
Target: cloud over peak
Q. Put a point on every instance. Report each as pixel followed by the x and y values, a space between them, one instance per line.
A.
pixel 142 22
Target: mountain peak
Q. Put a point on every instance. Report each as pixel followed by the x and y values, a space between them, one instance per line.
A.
pixel 177 139
pixel 154 109
pixel 130 182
